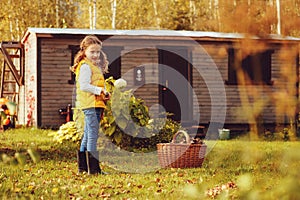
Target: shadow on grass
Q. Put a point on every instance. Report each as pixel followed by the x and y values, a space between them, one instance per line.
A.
pixel 7 151
pixel 51 153
pixel 57 154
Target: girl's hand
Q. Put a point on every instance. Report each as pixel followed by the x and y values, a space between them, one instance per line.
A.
pixel 107 96
pixel 104 96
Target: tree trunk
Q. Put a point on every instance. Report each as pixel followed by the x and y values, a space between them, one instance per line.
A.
pixel 114 10
pixel 192 11
pixel 57 13
pixel 90 14
pixel 95 14
pixel 156 14
pixel 249 8
pixel 278 17
pixel 217 14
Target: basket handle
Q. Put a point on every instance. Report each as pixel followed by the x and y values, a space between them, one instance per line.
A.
pixel 187 137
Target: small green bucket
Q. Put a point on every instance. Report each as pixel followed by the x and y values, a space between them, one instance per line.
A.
pixel 224 134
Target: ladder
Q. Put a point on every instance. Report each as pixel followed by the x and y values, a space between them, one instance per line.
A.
pixel 12 71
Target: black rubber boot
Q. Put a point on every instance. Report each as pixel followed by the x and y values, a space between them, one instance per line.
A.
pixel 82 162
pixel 93 162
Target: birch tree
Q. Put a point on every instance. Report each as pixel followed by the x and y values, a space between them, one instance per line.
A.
pixel 93 13
pixel 217 14
pixel 278 17
pixel 114 10
pixel 154 4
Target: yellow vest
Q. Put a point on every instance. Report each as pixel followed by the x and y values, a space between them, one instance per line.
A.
pixel 86 99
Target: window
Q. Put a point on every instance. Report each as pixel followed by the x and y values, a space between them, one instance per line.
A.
pixel 114 58
pixel 74 49
pixel 256 67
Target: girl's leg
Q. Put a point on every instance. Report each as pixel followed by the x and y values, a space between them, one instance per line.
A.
pixel 83 145
pixel 81 154
pixel 99 112
pixel 92 126
pixel 92 155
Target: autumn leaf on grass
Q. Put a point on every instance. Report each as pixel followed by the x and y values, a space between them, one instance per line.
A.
pixel 213 192
pixel 140 186
pixel 17 190
pixel 55 190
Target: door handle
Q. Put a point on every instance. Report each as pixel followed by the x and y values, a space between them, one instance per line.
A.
pixel 166 85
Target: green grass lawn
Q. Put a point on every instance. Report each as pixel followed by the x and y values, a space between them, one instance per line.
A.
pixel 254 170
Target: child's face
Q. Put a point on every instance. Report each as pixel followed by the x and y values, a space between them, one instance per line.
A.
pixel 92 53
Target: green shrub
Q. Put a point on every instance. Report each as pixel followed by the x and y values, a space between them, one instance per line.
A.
pixel 67 132
pixel 127 122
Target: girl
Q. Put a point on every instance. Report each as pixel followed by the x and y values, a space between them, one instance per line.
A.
pixel 90 64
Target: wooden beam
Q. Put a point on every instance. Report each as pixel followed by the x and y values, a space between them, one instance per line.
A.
pixel 11 44
pixel 2 80
pixel 11 65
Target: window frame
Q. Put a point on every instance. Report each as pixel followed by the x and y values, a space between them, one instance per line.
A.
pixel 258 70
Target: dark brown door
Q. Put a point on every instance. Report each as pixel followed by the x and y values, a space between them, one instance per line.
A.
pixel 175 78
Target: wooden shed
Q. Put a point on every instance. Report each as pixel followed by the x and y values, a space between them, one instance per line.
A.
pixel 200 77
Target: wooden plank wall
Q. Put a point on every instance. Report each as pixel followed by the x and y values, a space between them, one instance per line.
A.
pixel 149 59
pixel 285 78
pixel 56 92
pixel 275 106
pixel 208 61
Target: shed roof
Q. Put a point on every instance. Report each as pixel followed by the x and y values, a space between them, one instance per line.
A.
pixel 46 32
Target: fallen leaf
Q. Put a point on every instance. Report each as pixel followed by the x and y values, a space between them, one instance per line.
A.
pixel 189 181
pixel 157 180
pixel 17 189
pixel 54 190
pixel 140 186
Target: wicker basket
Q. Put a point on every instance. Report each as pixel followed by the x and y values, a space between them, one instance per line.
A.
pixel 181 155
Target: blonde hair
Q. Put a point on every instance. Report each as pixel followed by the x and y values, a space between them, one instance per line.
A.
pixel 87 41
